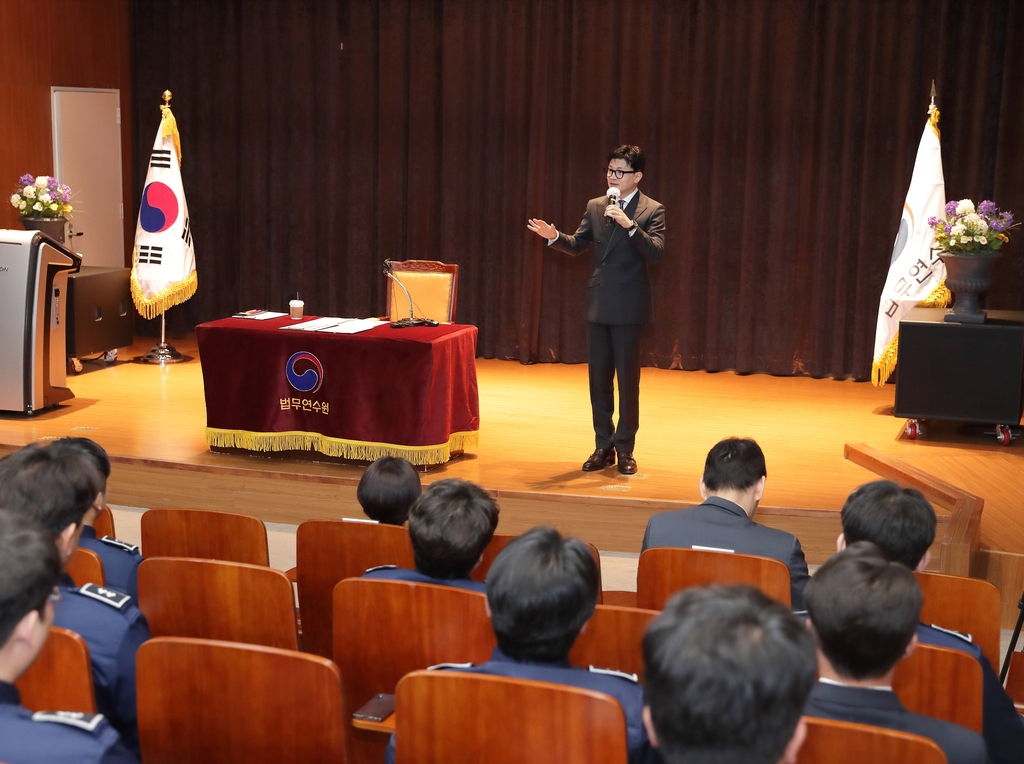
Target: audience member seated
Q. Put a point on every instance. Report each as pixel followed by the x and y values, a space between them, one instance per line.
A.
pixel 864 611
pixel 57 490
pixel 29 568
pixel 388 489
pixel 732 485
pixel 450 525
pixel 727 672
pixel 901 522
pixel 541 591
pixel 120 560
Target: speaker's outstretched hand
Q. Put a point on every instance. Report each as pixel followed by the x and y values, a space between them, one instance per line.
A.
pixel 539 227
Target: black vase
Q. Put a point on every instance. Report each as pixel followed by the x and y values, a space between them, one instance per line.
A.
pixel 52 227
pixel 968 277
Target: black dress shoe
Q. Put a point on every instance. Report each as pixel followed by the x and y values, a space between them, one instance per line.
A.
pixel 601 458
pixel 627 464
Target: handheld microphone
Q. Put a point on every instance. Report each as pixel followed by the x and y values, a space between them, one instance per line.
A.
pixel 613 198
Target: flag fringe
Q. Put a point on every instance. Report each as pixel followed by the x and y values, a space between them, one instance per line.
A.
pixel 338 447
pixel 175 294
pixel 883 366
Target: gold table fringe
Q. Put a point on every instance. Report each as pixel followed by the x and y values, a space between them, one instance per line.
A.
pixel 298 440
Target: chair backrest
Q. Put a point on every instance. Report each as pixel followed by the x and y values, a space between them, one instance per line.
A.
pixel 211 599
pixel 202 700
pixel 969 605
pixel 85 567
pixel 502 540
pixel 328 551
pixel 941 683
pixel 1015 680
pixel 663 571
pixel 457 718
pixel 206 534
pixel 61 677
pixel 434 287
pixel 104 523
pixel 831 742
pixel 612 639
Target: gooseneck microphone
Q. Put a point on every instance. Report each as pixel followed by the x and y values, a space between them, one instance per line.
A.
pixel 404 323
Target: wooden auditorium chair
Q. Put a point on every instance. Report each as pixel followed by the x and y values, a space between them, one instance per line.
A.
pixel 85 567
pixel 433 286
pixel 663 571
pixel 942 683
pixel 206 701
pixel 612 639
pixel 457 718
pixel 502 540
pixel 328 551
pixel 967 605
pixel 385 629
pixel 211 599
pixel 104 524
pixel 1015 681
pixel 203 533
pixel 61 677
pixel 832 742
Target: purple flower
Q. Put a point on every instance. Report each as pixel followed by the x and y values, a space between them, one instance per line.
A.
pixel 1007 219
pixel 52 184
pixel 997 225
pixel 987 207
pixel 65 194
pixel 951 208
pixel 932 221
pixel 26 180
pixel 947 228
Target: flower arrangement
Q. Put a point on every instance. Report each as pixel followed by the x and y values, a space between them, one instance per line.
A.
pixel 965 230
pixel 41 197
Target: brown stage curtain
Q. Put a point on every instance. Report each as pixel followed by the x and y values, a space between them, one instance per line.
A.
pixel 780 135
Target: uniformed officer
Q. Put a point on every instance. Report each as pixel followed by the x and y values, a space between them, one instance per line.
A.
pixel 57 489
pixel 29 567
pixel 541 590
pixel 450 525
pixel 120 560
pixel 901 522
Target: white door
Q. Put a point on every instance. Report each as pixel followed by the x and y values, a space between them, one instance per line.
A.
pixel 87 157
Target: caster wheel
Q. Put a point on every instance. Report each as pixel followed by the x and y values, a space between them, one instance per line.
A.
pixel 110 356
pixel 1003 435
pixel 75 364
pixel 913 429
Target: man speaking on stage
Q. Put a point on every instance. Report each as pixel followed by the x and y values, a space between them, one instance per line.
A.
pixel 627 231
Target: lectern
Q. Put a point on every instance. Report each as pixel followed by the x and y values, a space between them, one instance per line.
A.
pixel 33 289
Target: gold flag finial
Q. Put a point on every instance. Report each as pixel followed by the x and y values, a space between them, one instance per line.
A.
pixel 168 125
pixel 933 113
pixel 167 98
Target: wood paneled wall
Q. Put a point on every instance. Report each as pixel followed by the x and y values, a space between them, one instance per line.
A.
pixel 62 43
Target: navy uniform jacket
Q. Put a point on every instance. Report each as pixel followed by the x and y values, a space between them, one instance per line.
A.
pixel 1002 727
pixel 881 708
pixel 619 287
pixel 721 524
pixel 394 573
pixel 113 629
pixel 120 561
pixel 55 737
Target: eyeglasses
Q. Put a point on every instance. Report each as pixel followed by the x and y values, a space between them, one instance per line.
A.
pixel 617 174
pixel 56 596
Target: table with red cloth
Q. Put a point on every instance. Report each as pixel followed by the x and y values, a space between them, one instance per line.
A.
pixel 399 392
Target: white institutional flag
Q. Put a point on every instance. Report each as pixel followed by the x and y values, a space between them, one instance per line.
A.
pixel 916 274
pixel 163 262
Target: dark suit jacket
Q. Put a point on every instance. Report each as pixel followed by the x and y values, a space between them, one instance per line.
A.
pixel 619 287
pixel 881 708
pixel 722 524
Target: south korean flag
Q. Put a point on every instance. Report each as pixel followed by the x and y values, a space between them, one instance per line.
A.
pixel 164 261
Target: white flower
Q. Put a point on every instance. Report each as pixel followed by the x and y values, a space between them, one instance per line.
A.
pixel 53 207
pixel 957 230
pixel 22 205
pixel 37 207
pixel 45 198
pixel 972 219
pixel 982 227
pixel 42 180
pixel 15 200
pixel 981 239
pixel 963 207
pixel 29 192
pixel 965 239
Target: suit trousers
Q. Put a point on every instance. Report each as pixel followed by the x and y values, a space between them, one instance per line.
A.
pixel 613 350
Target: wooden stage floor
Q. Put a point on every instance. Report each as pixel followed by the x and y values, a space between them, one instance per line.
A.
pixel 535 434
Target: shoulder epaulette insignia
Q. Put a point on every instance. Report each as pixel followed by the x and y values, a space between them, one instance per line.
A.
pixel 119 544
pixel 613 672
pixel 104 595
pixel 382 567
pixel 965 637
pixel 87 722
pixel 699 548
pixel 800 613
pixel 448 666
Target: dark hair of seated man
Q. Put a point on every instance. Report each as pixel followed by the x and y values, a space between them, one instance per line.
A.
pixel 898 520
pixel 727 672
pixel 387 489
pixel 864 609
pixel 541 590
pixel 29 568
pixel 734 464
pixel 450 525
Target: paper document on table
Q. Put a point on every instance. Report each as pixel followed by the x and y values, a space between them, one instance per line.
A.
pixel 355 325
pixel 316 325
pixel 259 315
